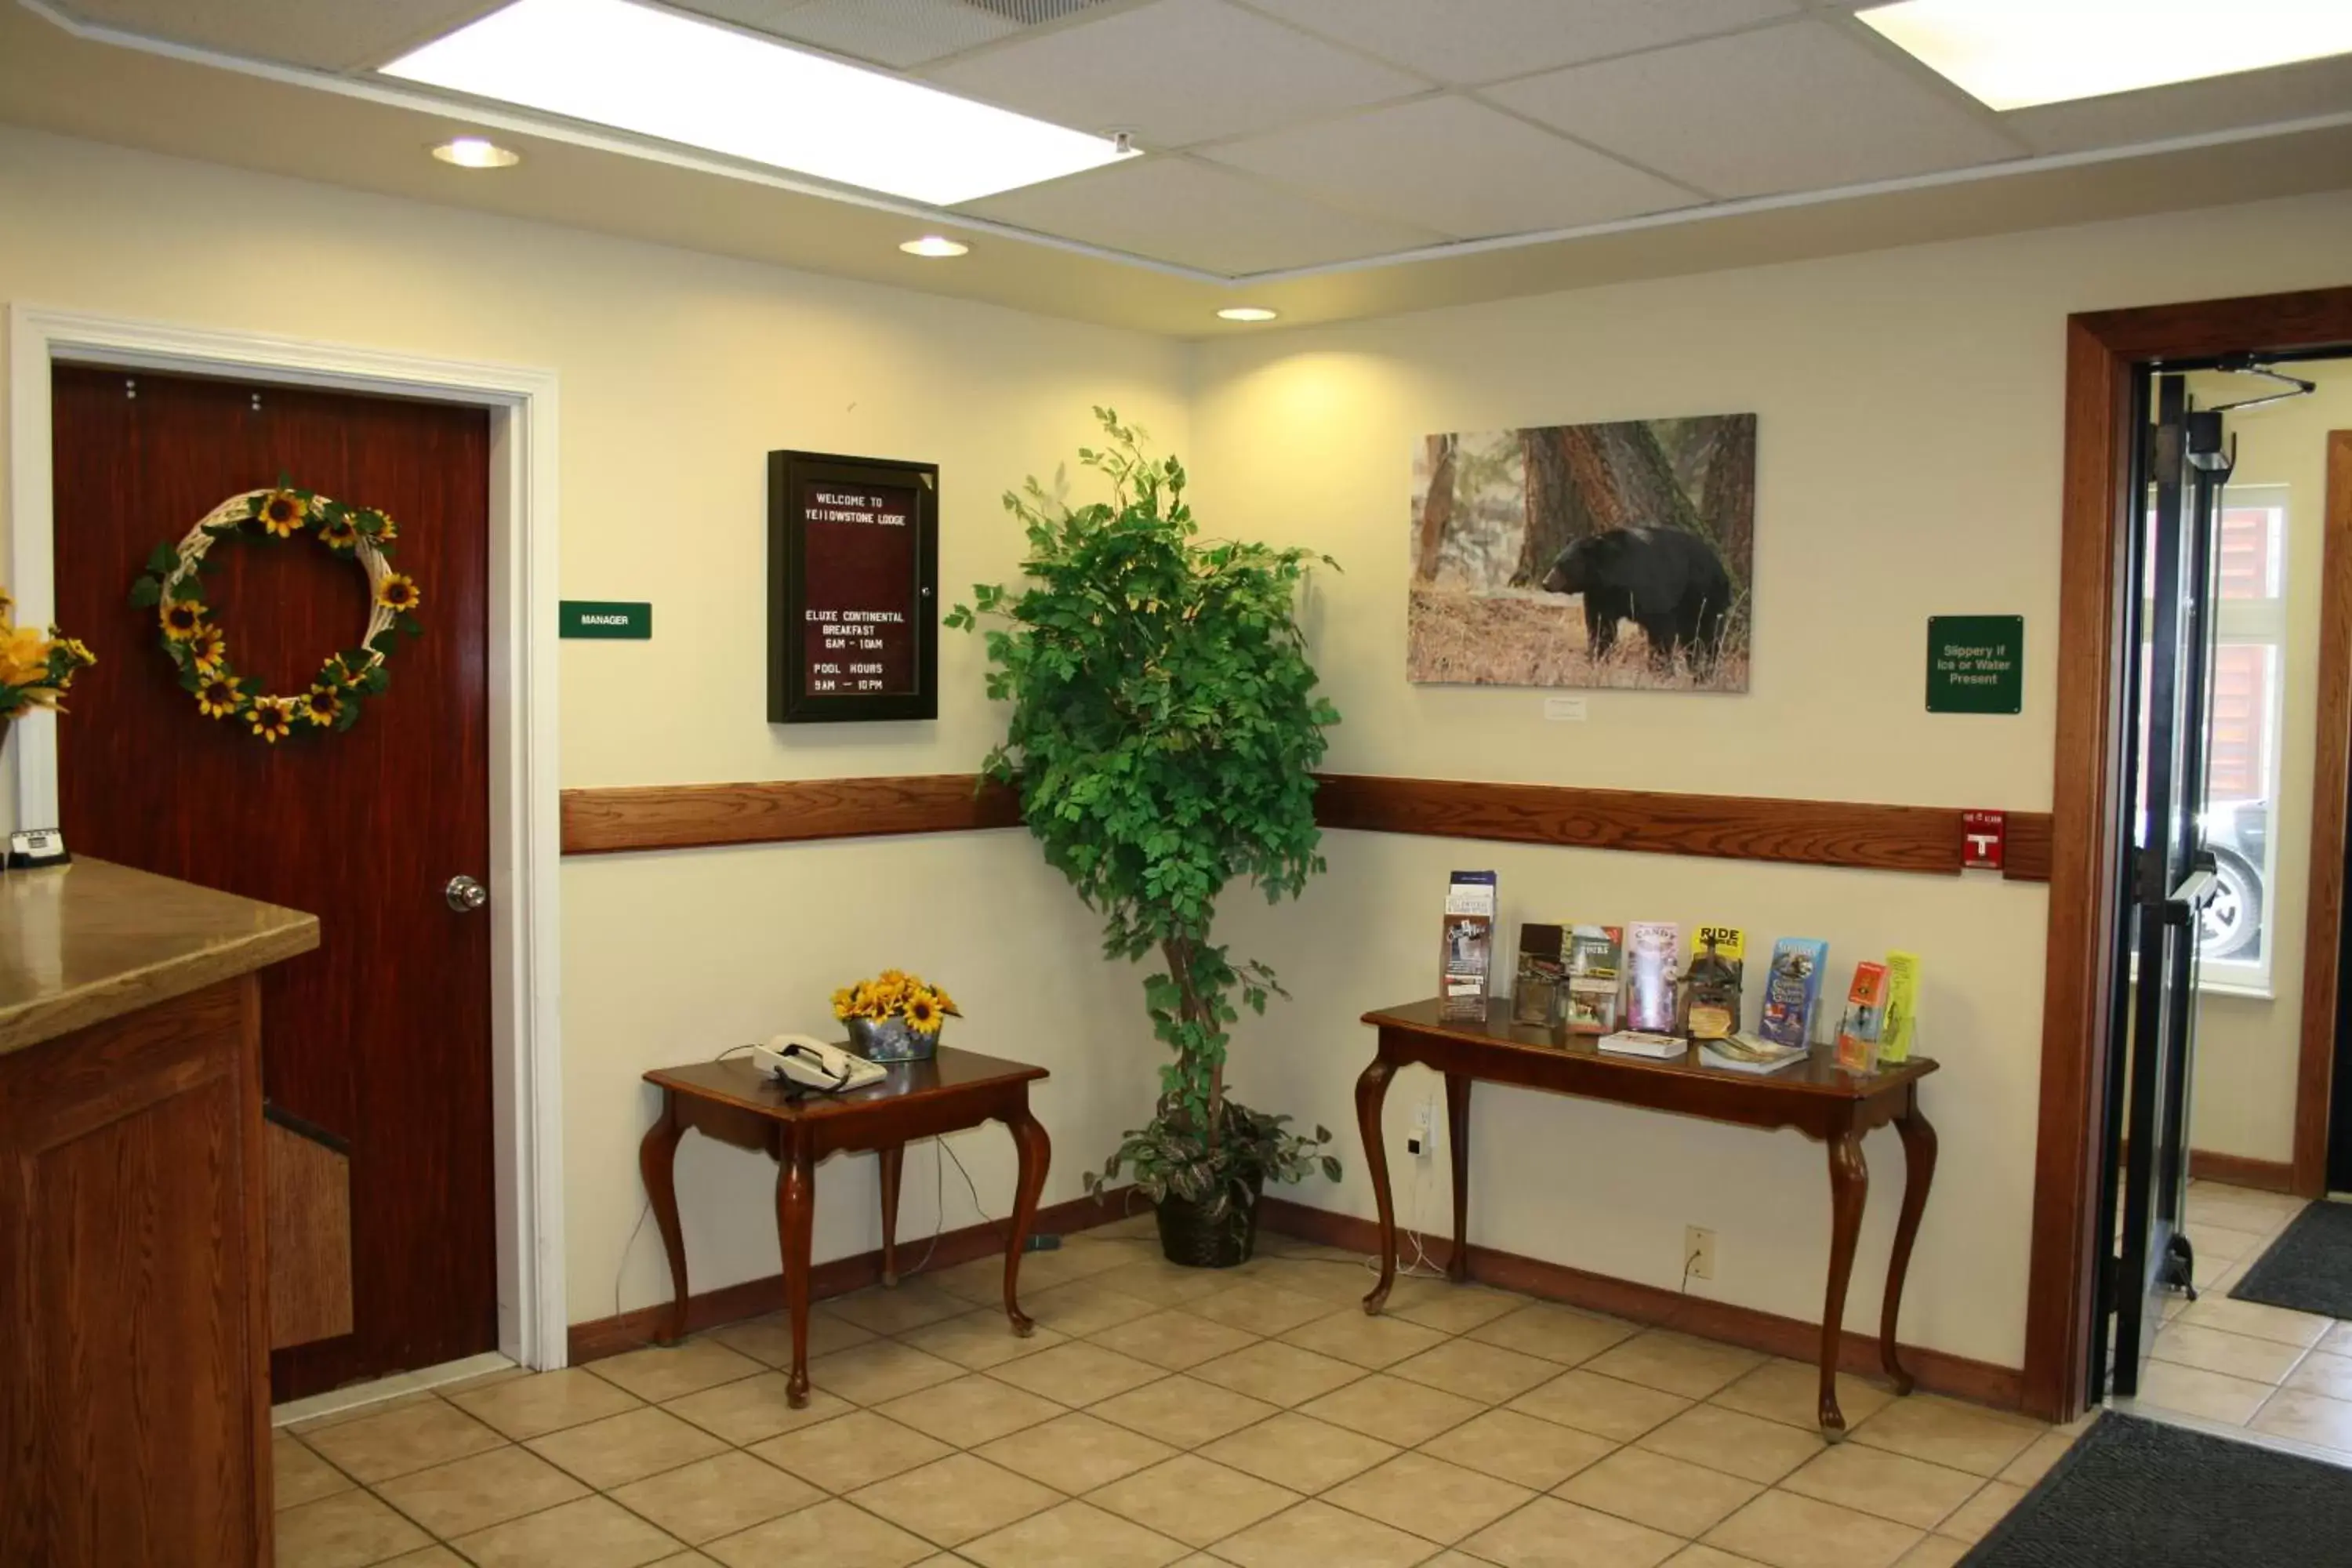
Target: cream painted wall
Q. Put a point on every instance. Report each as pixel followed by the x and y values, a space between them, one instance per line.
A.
pixel 2243 1099
pixel 1910 434
pixel 1910 430
pixel 678 372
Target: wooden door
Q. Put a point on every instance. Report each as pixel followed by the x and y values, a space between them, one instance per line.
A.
pixel 381 1036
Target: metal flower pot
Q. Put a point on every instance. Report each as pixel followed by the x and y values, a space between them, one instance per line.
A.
pixel 891 1041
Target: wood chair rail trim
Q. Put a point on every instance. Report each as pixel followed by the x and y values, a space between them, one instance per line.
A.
pixel 1855 834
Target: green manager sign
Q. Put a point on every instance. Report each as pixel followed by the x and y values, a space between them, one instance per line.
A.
pixel 605 619
pixel 1976 663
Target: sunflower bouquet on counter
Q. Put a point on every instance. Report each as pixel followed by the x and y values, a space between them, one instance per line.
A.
pixel 34 670
pixel 895 1016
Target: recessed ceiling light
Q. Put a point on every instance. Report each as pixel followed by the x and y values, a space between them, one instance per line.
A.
pixel 660 74
pixel 473 153
pixel 2014 54
pixel 936 245
pixel 1247 313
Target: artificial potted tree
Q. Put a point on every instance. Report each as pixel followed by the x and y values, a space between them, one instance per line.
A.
pixel 1164 734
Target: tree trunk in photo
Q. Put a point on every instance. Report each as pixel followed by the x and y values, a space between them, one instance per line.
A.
pixel 1556 516
pixel 1646 486
pixel 1436 508
pixel 1728 504
pixel 1690 444
pixel 1592 471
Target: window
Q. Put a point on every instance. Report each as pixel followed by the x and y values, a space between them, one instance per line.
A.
pixel 2242 737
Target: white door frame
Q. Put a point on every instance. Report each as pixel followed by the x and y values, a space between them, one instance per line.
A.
pixel 527 1077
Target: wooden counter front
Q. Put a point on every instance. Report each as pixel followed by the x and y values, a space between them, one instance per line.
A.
pixel 135 1359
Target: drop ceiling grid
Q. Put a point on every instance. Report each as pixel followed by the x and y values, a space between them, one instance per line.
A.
pixel 1310 134
pixel 1797 107
pixel 1469 43
pixel 1330 132
pixel 1179 209
pixel 1455 165
pixel 1175 72
pixel 1485 176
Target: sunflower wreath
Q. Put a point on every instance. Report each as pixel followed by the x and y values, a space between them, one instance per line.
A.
pixel 173 587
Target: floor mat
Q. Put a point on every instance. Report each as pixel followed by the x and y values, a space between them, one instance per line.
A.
pixel 2308 1268
pixel 2137 1494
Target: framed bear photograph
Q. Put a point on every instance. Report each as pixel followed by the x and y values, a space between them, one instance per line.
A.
pixel 1587 556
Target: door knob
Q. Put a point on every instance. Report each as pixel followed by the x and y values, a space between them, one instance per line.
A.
pixel 464 894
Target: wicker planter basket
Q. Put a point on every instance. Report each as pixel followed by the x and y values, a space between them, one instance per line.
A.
pixel 1190 1235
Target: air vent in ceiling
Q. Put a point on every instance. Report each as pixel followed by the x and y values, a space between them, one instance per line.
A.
pixel 1030 13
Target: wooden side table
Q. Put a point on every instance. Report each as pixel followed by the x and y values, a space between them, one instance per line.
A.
pixel 732 1101
pixel 1816 1096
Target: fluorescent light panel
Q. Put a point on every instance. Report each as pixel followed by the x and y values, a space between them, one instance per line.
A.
pixel 2015 54
pixel 660 74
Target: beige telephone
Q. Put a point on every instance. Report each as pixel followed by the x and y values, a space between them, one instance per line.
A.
pixel 812 1064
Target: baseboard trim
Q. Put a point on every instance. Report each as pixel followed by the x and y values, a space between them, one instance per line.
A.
pixel 2238 1171
pixel 1983 1382
pixel 633 1329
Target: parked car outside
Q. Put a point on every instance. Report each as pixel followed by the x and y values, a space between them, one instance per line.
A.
pixel 2238 832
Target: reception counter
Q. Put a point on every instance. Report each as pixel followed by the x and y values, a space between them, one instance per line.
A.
pixel 134 1361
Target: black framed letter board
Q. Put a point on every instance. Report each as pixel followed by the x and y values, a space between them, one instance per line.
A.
pixel 853 589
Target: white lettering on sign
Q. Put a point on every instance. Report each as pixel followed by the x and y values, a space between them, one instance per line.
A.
pixel 1973 664
pixel 851 506
pixel 1984 840
pixel 603 620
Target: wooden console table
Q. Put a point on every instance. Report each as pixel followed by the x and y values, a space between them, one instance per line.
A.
pixel 732 1101
pixel 1817 1098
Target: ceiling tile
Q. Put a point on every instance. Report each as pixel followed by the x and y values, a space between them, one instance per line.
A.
pixel 760 15
pixel 2308 89
pixel 1469 41
pixel 1174 72
pixel 327 36
pixel 1454 165
pixel 1172 209
pixel 901 34
pixel 1794 107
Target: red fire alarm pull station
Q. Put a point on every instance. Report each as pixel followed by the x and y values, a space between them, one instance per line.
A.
pixel 1984 840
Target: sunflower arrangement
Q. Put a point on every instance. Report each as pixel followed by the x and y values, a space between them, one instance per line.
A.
pixel 34 670
pixel 174 587
pixel 895 994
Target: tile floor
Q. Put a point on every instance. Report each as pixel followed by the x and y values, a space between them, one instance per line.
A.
pixel 1161 1415
pixel 2240 1364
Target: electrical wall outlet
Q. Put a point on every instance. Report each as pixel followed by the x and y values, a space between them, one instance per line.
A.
pixel 1698 1252
pixel 1417 1141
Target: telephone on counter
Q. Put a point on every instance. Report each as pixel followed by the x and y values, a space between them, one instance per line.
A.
pixel 812 1064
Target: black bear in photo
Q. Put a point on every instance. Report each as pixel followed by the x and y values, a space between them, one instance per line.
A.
pixel 1668 581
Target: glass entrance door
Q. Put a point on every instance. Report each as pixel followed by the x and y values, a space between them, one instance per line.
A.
pixel 2167 872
